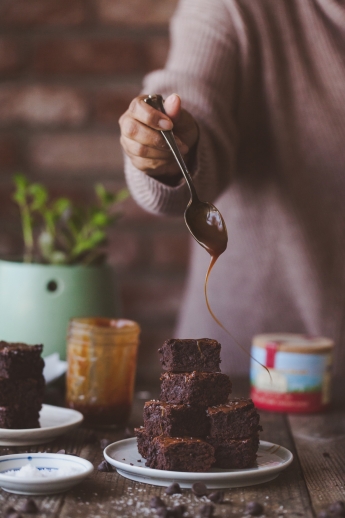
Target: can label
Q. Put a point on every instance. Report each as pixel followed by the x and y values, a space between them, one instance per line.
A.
pixel 299 382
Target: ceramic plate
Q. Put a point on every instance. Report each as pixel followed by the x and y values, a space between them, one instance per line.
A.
pixel 272 459
pixel 42 486
pixel 54 421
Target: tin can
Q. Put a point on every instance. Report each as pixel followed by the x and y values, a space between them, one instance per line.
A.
pixel 300 369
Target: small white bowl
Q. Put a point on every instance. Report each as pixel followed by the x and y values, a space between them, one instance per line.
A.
pixel 42 486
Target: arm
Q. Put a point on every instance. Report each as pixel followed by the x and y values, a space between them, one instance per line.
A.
pixel 201 68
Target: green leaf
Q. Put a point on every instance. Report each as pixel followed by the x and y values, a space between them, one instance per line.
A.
pixel 39 196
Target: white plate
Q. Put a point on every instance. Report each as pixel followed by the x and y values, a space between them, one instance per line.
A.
pixel 42 486
pixel 54 421
pixel 272 459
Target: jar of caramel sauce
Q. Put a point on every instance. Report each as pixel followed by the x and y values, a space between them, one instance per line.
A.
pixel 101 356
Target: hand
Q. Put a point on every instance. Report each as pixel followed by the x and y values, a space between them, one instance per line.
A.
pixel 146 147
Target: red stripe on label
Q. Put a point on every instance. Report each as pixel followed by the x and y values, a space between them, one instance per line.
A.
pixel 288 402
pixel 271 350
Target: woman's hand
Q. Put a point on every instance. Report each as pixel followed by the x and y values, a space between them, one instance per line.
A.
pixel 146 147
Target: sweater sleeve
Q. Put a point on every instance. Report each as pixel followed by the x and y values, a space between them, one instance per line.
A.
pixel 201 68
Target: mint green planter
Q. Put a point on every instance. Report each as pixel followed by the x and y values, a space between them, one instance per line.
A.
pixel 37 301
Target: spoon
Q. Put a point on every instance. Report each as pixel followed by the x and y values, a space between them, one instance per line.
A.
pixel 203 219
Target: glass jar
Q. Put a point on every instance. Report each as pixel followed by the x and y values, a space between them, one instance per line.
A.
pixel 101 355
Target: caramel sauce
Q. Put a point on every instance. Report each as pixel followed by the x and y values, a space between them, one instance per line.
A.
pixel 215 245
pixel 101 357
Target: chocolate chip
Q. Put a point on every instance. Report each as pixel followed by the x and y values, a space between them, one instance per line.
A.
pixel 205 511
pixel 162 512
pixel 156 503
pixel 104 443
pixel 326 454
pixel 105 466
pixel 337 507
pixel 62 452
pixel 177 511
pixel 29 506
pixel 217 497
pixel 173 489
pixel 254 508
pixel 199 489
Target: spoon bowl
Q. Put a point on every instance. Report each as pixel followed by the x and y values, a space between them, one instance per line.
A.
pixel 203 219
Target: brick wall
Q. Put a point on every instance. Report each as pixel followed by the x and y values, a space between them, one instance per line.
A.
pixel 68 69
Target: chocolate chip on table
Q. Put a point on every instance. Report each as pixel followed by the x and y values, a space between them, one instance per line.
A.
pixel 104 443
pixel 178 510
pixel 105 466
pixel 217 497
pixel 156 503
pixel 199 489
pixel 205 511
pixel 254 509
pixel 326 454
pixel 173 489
pixel 162 512
pixel 29 506
pixel 337 508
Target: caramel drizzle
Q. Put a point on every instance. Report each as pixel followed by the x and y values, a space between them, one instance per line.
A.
pixel 212 263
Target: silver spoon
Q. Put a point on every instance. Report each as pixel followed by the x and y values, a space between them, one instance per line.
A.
pixel 203 219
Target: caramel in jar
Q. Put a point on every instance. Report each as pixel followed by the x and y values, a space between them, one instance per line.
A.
pixel 101 355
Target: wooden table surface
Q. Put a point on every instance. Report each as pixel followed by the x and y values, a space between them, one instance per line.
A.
pixel 315 479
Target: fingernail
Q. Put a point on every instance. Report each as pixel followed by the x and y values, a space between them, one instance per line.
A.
pixel 165 124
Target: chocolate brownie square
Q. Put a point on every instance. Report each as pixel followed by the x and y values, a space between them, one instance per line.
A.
pixel 19 417
pixel 187 355
pixel 237 418
pixel 175 420
pixel 180 454
pixel 144 441
pixel 18 360
pixel 195 388
pixel 235 453
pixel 21 391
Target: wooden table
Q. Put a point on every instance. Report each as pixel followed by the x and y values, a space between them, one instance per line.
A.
pixel 315 479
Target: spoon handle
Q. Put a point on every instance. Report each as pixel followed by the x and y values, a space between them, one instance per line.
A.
pixel 156 101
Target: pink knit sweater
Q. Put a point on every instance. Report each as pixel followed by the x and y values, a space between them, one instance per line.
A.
pixel 265 79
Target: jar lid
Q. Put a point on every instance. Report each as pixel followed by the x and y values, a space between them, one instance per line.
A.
pixel 294 343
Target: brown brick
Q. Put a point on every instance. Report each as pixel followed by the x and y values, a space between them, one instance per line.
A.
pixel 41 105
pixel 134 213
pixel 8 152
pixel 9 56
pixel 156 51
pixel 171 250
pixel 88 56
pixel 151 338
pixel 136 12
pixel 152 297
pixel 123 247
pixel 26 13
pixel 109 105
pixel 76 153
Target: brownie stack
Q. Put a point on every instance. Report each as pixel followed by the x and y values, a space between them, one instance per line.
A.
pixel 21 385
pixel 194 425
